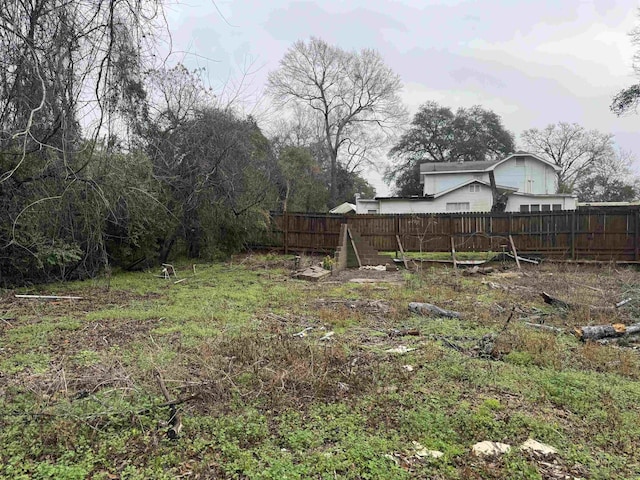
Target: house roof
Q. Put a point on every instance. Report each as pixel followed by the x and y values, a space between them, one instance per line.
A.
pixel 431 168
pixel 439 167
pixel 343 208
pixel 500 188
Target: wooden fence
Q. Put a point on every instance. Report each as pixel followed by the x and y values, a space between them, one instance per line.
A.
pixel 599 234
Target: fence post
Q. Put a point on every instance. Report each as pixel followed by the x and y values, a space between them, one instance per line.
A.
pixel 636 235
pixel 285 220
pixel 573 235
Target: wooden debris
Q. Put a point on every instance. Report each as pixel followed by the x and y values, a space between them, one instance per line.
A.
pixel 427 309
pixel 596 332
pixel 627 339
pixel 175 420
pixel 554 301
pixel 303 333
pixel 515 252
pixel 167 270
pixel 453 254
pixel 49 297
pixel 312 274
pixel 623 302
pixel 405 332
pixel 476 269
pixel 401 349
pixel 539 326
pixel 327 336
pixel 404 258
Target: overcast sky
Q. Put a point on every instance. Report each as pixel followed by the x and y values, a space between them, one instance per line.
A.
pixel 533 62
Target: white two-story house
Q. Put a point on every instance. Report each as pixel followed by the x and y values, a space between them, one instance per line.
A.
pixel 527 182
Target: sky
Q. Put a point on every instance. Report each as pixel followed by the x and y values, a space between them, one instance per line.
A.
pixel 533 62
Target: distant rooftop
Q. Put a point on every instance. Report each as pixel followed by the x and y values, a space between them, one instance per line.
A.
pixel 429 167
pixel 455 166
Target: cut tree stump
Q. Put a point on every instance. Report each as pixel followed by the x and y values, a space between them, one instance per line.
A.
pixel 312 274
pixel 596 332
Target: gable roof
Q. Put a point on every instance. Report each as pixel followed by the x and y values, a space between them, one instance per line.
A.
pixel 343 208
pixel 440 167
pixel 468 182
pixel 431 168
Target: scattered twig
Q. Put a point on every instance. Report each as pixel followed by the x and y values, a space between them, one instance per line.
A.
pixel 303 333
pixel 175 421
pixel 327 336
pixel 427 309
pixel 623 302
pixel 539 326
pixel 506 323
pixel 49 297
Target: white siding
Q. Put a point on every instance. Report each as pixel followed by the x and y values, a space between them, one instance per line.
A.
pixel 533 176
pixel 367 206
pixel 478 202
pixel 440 182
pixel 514 202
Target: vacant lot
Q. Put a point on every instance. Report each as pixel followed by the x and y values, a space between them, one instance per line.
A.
pixel 81 381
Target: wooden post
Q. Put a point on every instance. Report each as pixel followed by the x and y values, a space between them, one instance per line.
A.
pixel 453 252
pixel 285 220
pixel 636 235
pixel 573 235
pixel 397 228
pixel 353 244
pixel 515 252
pixel 404 259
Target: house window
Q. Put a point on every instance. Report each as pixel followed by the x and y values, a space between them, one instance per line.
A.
pixel 458 207
pixel 373 212
pixel 545 208
pixel 474 187
pixel 535 208
pixel 519 161
pixel 557 207
pixel 524 208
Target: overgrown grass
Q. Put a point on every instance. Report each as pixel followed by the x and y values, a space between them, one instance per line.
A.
pixel 81 396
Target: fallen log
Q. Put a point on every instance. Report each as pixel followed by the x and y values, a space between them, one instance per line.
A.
pixel 555 302
pixel 596 332
pixel 476 269
pixel 428 309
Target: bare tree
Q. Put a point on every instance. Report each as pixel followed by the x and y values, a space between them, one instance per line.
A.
pixel 355 95
pixel 572 148
pixel 627 99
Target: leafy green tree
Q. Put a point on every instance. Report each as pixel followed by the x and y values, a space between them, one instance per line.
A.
pixel 217 171
pixel 304 187
pixel 437 134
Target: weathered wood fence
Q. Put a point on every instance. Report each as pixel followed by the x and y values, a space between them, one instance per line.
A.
pixel 599 234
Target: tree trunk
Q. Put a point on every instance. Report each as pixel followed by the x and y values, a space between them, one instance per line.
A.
pixel 333 192
pixel 597 332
